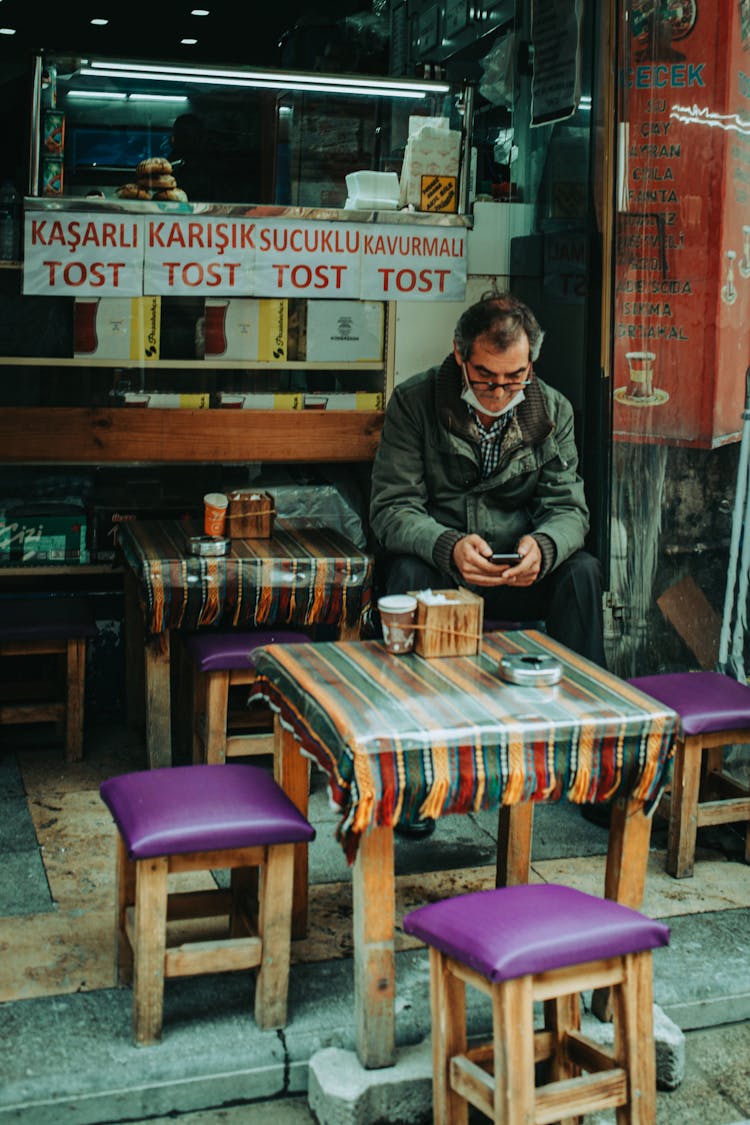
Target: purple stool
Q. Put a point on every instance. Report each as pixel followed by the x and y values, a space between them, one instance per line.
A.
pixel 58 627
pixel 542 942
pixel 197 818
pixel 220 662
pixel 715 712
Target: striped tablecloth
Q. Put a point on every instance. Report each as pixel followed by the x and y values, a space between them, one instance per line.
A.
pixel 401 734
pixel 300 576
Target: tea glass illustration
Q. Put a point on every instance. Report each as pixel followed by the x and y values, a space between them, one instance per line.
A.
pixel 640 374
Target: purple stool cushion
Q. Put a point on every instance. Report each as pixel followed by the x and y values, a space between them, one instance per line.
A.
pixel 201 808
pixel 705 701
pixel 512 931
pixel 215 652
pixel 28 619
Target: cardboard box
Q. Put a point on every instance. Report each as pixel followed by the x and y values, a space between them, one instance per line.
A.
pixel 449 622
pixel 432 149
pixel 50 533
pixel 246 329
pixel 359 400
pixel 164 402
pixel 117 327
pixel 231 401
pixel 344 331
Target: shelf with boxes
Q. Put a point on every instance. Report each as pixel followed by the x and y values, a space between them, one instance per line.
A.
pixel 103 358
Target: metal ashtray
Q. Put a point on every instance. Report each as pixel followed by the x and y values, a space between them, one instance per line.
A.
pixel 208 546
pixel 525 668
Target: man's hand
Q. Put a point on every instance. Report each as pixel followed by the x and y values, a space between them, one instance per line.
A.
pixel 471 556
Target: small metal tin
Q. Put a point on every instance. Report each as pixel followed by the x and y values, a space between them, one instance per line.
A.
pixel 208 546
pixel 529 669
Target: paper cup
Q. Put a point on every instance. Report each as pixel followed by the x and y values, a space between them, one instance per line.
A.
pixel 398 613
pixel 214 513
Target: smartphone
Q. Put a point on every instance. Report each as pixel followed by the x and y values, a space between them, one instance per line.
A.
pixel 510 558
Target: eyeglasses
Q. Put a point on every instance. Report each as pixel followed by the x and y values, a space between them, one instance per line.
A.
pixel 510 388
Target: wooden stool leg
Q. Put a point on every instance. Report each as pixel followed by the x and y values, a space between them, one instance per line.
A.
pixel 514 832
pixel 198 711
pixel 712 761
pixel 634 1039
pixel 150 941
pixel 292 772
pixel 683 814
pixel 562 1014
pixel 513 1029
pixel 215 729
pixel 274 929
pixel 373 914
pixel 448 1007
pixel 243 915
pixel 125 899
pixel 74 698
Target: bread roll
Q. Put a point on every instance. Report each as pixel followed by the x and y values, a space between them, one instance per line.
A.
pixel 176 195
pixel 154 166
pixel 133 191
pixel 157 183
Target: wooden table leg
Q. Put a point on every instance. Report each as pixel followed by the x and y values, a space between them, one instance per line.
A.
pixel 349 632
pixel 374 910
pixel 625 874
pixel 514 830
pixel 627 853
pixel 291 770
pixel 134 641
pixel 158 700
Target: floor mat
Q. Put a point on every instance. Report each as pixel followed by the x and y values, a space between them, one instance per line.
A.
pixel 23 881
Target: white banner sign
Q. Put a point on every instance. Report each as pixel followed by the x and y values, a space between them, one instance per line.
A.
pixel 76 255
pixel 181 255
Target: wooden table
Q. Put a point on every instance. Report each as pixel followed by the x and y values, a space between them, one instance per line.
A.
pixel 298 577
pixel 395 733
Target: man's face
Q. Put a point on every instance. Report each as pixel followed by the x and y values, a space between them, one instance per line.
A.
pixel 495 377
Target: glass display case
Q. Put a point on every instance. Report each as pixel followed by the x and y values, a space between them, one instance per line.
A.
pixel 232 135
pixel 293 372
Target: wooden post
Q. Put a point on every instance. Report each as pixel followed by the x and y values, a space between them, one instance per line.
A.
pixel 374 902
pixel 158 700
pixel 292 772
pixel 514 830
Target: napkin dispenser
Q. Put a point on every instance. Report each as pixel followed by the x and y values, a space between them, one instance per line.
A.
pixel 251 514
pixel 449 622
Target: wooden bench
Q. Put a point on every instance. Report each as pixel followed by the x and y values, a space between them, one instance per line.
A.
pixel 185 819
pixel 541 943
pixel 36 628
pixel 221 663
pixel 714 712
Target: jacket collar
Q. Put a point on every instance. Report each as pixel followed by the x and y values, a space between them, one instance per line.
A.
pixel 531 415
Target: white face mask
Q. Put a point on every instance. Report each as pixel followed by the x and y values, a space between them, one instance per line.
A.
pixel 468 396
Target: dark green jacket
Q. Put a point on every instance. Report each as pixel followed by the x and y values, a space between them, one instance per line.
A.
pixel 427 487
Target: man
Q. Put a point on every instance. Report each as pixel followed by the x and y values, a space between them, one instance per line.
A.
pixel 478 456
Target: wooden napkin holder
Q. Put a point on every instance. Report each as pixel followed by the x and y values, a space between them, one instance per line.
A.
pixel 449 628
pixel 250 514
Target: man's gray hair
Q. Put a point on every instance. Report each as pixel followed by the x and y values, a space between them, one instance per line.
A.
pixel 501 318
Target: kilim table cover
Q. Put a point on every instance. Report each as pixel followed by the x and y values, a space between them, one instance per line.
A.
pixel 300 576
pixel 399 735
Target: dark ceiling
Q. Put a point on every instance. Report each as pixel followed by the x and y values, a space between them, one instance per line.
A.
pixel 290 32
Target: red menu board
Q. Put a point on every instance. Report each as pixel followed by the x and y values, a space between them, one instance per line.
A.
pixel 682 280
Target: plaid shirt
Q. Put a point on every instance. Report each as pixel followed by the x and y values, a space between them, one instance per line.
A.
pixel 491 440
